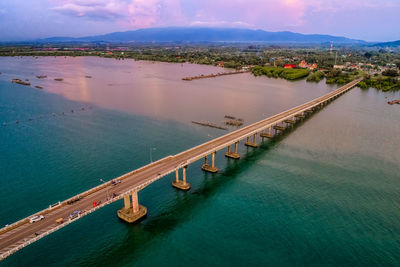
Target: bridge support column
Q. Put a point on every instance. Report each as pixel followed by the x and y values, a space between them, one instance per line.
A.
pixel 132 210
pixel 279 128
pixel 300 115
pixel 182 185
pixel 268 134
pixel 233 155
pixel 253 143
pixel 290 122
pixel 127 202
pixel 308 111
pixel 207 167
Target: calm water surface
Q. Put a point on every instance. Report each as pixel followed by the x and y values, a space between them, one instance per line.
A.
pixel 326 193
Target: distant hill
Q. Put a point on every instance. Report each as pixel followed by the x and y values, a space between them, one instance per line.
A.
pixel 388 44
pixel 197 35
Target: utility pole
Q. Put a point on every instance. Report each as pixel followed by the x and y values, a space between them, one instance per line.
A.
pixel 336 58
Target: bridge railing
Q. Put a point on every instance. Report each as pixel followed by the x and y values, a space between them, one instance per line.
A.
pixel 57 227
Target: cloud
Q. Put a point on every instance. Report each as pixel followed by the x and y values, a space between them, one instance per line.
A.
pixel 266 14
pixel 307 16
pixel 143 13
pixel 337 6
pixel 96 9
pixel 125 13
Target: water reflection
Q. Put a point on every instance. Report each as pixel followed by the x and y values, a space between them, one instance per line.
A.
pixel 157 89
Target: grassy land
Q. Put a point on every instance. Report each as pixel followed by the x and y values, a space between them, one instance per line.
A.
pixel 279 72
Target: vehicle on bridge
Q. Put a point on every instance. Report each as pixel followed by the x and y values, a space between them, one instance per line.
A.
pixel 96 203
pixel 72 201
pixel 36 218
pixel 74 214
pixel 115 182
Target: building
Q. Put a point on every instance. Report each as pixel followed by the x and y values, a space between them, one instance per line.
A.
pixel 290 66
pixel 304 65
pixel 339 67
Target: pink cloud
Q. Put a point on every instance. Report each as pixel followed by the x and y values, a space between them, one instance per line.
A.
pixel 306 16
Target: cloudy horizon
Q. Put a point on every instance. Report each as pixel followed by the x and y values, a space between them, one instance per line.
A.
pixel 358 19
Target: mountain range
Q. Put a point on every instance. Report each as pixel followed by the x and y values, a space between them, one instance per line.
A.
pixel 388 44
pixel 199 35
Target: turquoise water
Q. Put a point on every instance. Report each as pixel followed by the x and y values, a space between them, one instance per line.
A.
pixel 325 193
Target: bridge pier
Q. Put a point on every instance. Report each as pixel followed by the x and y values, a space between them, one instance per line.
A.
pixel 233 155
pixel 252 144
pixel 267 134
pixel 290 121
pixel 207 167
pixel 132 210
pixel 182 185
pixel 308 111
pixel 300 115
pixel 279 128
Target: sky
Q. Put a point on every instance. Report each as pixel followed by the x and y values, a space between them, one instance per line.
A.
pixel 370 20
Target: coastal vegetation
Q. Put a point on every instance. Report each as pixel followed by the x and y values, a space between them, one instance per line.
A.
pixel 279 72
pixel 380 82
pixel 337 76
pixel 316 76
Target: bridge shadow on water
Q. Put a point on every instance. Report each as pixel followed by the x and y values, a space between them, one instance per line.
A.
pixel 180 209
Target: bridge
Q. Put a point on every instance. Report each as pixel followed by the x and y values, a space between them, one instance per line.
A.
pixel 20 234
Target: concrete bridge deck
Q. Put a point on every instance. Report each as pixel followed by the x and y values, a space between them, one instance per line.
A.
pixel 20 234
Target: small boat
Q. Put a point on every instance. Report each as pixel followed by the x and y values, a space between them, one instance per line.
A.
pixel 394 102
pixel 59 79
pixel 19 81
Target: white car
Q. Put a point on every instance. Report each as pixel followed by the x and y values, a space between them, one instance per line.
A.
pixel 36 218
